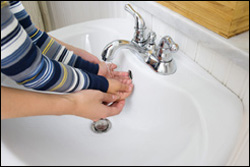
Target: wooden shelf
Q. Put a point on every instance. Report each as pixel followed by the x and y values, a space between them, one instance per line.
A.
pixel 227 18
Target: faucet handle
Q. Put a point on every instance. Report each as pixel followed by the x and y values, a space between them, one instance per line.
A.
pixel 129 8
pixel 165 48
pixel 168 43
pixel 139 22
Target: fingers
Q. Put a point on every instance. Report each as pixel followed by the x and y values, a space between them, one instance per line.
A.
pixel 116 74
pixel 126 81
pixel 113 66
pixel 108 98
pixel 120 75
pixel 116 86
pixel 127 85
pixel 116 108
pixel 124 87
pixel 124 95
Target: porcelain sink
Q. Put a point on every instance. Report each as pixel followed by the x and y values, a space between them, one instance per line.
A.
pixel 188 118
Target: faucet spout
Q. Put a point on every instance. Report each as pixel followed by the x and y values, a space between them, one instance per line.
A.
pixel 144 55
pixel 110 49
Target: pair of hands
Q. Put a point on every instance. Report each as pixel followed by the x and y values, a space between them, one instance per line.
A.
pixel 119 82
pixel 92 104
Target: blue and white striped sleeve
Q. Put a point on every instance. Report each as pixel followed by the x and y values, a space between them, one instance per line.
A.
pixel 48 45
pixel 24 62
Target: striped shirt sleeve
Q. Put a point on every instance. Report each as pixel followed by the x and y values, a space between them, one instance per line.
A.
pixel 48 45
pixel 24 62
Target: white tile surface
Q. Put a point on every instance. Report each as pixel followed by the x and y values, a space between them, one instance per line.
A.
pixel 245 90
pixel 190 48
pixel 204 57
pixel 219 67
pixel 245 96
pixel 162 29
pixel 181 40
pixel 236 79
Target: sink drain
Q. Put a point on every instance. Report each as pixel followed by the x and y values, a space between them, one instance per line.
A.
pixel 101 126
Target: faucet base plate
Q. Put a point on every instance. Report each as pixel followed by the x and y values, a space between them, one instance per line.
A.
pixel 166 68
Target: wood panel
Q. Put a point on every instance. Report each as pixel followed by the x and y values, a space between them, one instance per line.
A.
pixel 226 18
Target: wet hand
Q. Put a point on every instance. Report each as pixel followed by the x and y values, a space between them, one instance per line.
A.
pixel 107 70
pixel 91 104
pixel 122 88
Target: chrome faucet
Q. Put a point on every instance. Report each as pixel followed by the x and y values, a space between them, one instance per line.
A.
pixel 159 57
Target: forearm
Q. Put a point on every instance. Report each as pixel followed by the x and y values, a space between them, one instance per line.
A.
pixel 19 103
pixel 77 51
pixel 22 61
pixel 49 46
pixel 68 46
pixel 16 103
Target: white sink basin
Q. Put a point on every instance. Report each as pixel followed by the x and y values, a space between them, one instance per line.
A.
pixel 187 118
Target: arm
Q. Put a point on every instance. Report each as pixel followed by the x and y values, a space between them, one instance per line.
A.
pixel 51 47
pixel 88 104
pixel 22 61
pixel 19 103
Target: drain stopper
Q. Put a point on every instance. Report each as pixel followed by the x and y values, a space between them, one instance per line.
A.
pixel 101 126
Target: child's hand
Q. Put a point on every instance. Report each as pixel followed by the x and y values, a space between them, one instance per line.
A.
pixel 107 70
pixel 122 88
pixel 119 82
pixel 91 104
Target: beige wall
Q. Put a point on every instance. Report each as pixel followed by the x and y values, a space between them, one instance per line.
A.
pixel 51 15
